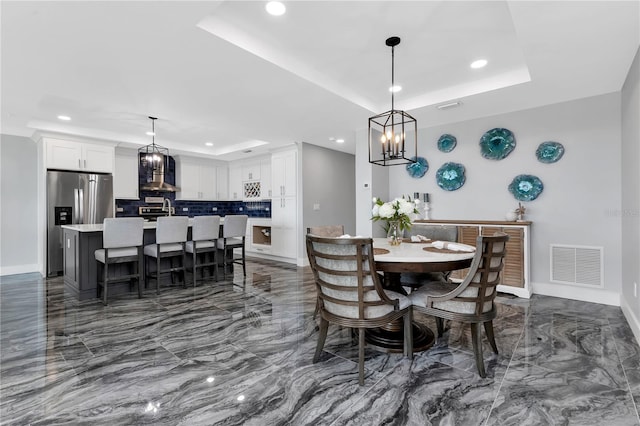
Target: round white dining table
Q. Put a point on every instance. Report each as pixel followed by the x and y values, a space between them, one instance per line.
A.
pixel 411 257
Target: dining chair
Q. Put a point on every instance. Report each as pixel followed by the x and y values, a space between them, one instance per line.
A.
pixel 122 240
pixel 171 237
pixel 326 230
pixel 233 237
pixel 204 241
pixel 415 280
pixel 350 292
pixel 470 301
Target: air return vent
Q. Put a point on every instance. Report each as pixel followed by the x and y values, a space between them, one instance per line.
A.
pixel 577 265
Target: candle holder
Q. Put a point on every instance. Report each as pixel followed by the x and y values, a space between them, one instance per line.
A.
pixel 427 206
pixel 427 211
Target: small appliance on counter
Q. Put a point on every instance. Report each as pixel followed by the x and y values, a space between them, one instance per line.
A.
pixel 152 213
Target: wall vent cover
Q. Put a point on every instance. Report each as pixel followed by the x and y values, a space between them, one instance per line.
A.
pixel 578 265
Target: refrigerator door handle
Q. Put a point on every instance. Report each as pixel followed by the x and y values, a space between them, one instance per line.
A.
pixel 76 208
pixel 81 204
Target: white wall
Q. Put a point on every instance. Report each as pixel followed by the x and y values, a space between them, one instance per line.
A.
pixel 630 211
pixel 328 178
pixel 581 192
pixel 18 205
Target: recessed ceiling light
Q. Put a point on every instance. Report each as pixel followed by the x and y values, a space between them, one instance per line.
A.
pixel 396 88
pixel 64 118
pixel 479 63
pixel 208 143
pixel 275 8
pixel 339 140
pixel 151 133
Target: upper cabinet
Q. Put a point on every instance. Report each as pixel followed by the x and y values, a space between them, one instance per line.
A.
pixel 284 174
pixel 196 179
pixel 86 157
pixel 250 179
pixel 265 180
pixel 125 175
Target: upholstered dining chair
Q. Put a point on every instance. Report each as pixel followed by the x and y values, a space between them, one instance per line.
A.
pixel 122 240
pixel 326 230
pixel 204 241
pixel 233 237
pixel 434 233
pixel 470 301
pixel 171 237
pixel 350 292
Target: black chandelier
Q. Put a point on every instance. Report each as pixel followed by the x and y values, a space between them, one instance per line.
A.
pixel 392 133
pixel 153 157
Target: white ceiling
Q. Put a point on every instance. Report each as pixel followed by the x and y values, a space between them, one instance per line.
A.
pixel 228 73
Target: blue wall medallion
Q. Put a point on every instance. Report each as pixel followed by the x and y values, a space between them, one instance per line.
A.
pixel 526 187
pixel 497 143
pixel 549 152
pixel 419 168
pixel 450 176
pixel 447 142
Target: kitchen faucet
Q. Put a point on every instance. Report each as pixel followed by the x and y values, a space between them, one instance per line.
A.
pixel 166 205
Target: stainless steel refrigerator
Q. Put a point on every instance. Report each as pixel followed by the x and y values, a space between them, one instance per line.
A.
pixel 74 198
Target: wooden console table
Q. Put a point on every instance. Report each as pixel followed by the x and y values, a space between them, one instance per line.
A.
pixel 515 276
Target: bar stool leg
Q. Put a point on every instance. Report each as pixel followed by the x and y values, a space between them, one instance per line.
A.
pixel 104 278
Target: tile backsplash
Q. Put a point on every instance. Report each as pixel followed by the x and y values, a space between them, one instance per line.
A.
pixel 193 208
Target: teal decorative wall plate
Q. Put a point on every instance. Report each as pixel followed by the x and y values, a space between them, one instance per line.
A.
pixel 497 143
pixel 419 168
pixel 447 142
pixel 549 152
pixel 526 187
pixel 450 176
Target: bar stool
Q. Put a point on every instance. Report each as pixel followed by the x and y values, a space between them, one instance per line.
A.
pixel 171 237
pixel 233 237
pixel 204 240
pixel 122 243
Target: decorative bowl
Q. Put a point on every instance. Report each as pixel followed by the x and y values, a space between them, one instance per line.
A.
pixel 497 143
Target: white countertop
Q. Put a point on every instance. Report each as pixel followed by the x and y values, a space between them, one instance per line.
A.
pixel 98 226
pixel 413 253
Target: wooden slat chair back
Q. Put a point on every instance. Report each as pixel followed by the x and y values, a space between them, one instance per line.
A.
pixel 350 293
pixel 471 300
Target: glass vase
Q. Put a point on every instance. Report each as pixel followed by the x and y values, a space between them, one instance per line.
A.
pixel 394 233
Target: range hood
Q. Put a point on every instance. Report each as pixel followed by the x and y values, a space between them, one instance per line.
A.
pixel 153 167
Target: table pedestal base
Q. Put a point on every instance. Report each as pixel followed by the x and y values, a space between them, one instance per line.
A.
pixel 392 341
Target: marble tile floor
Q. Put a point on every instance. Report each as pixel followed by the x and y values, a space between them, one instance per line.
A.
pixel 239 352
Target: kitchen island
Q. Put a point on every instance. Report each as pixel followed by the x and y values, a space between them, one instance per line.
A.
pixel 80 267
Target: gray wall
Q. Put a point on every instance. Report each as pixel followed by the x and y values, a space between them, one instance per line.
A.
pixel 328 180
pixel 630 211
pixel 18 205
pixel 582 192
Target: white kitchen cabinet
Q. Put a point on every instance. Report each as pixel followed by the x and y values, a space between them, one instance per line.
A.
pixel 265 178
pixel 283 227
pixel 284 206
pixel 235 182
pixel 284 174
pixel 258 238
pixel 197 181
pixel 71 155
pixel 222 182
pixel 125 176
pixel 251 171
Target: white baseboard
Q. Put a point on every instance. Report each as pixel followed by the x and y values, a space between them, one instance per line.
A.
pixel 585 294
pixel 520 292
pixel 19 269
pixel 631 319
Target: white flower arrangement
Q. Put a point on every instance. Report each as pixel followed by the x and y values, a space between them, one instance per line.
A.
pixel 398 210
